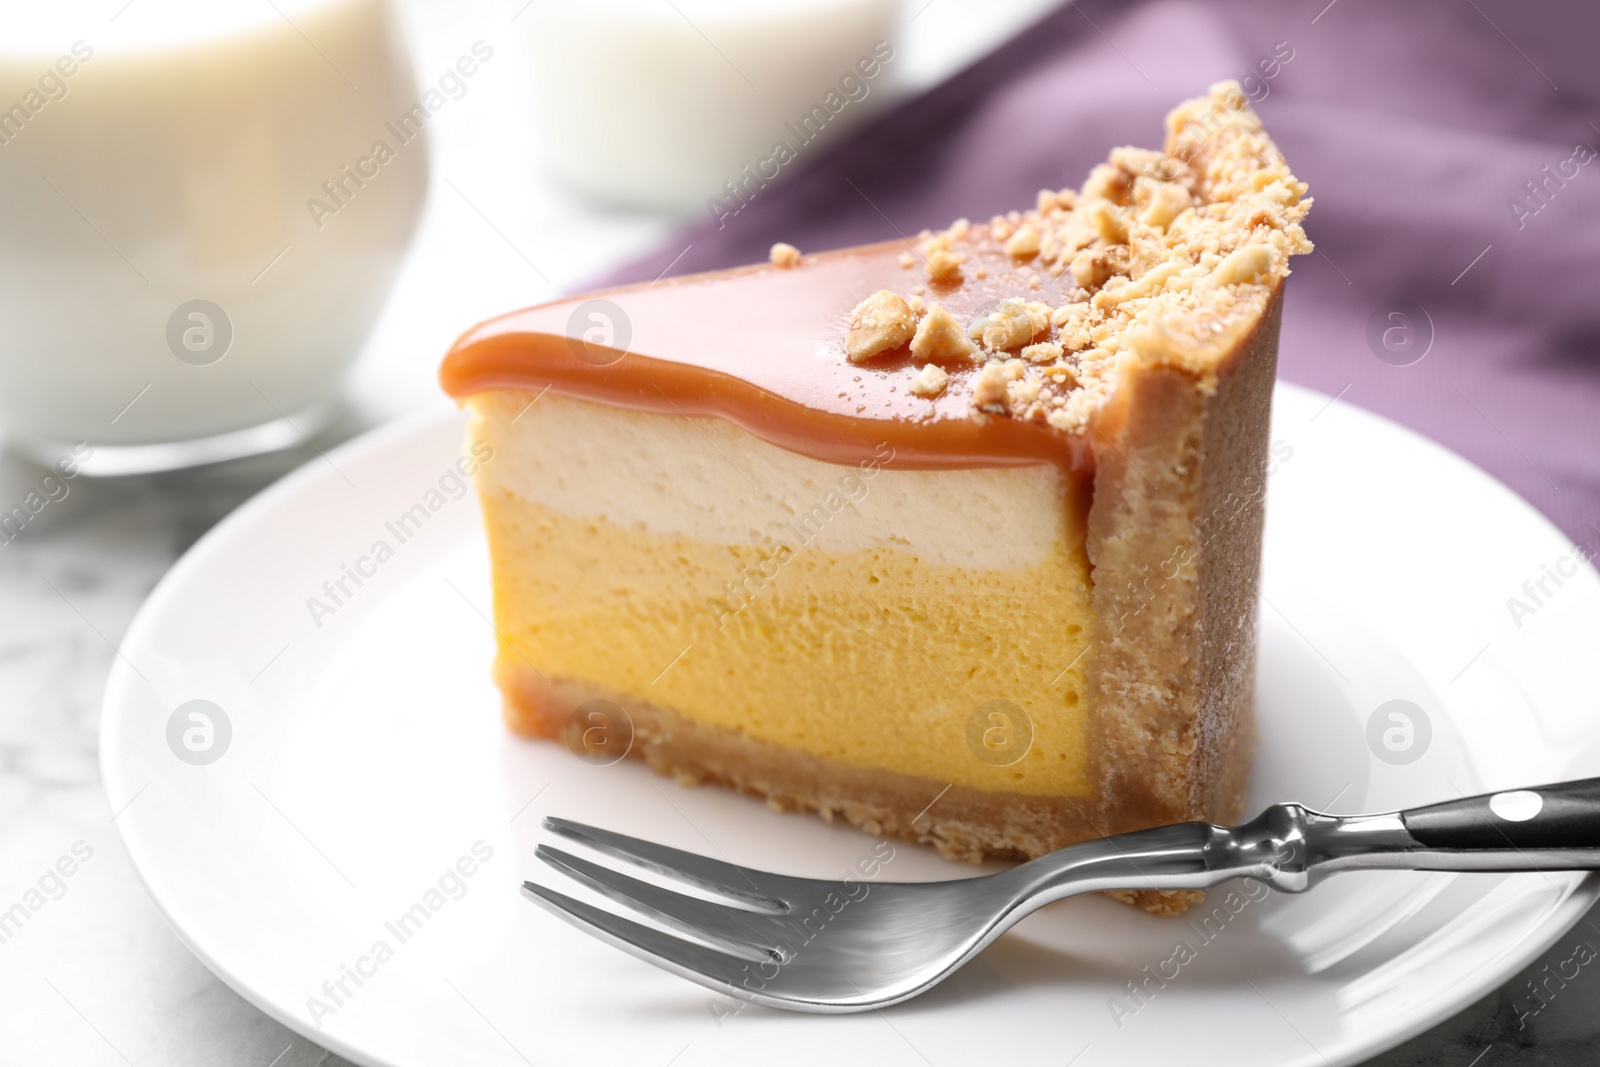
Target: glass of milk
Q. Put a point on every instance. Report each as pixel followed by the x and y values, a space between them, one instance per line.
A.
pixel 700 104
pixel 203 204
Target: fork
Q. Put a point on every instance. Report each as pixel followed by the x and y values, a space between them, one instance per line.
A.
pixel 816 945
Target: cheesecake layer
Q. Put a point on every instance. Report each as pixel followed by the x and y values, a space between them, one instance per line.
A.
pixel 859 613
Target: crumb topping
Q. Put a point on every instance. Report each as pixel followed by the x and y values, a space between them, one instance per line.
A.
pixel 1164 256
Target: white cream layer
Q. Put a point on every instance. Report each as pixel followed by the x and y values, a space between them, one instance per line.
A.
pixel 712 481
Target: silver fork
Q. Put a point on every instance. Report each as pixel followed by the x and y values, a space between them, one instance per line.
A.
pixel 842 946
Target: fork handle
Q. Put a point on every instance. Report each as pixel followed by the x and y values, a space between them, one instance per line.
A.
pixel 1542 828
pixel 1561 816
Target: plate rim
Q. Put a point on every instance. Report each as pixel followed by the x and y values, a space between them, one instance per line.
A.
pixel 1344 1050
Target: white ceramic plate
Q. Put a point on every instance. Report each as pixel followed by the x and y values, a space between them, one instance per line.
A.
pixel 365 769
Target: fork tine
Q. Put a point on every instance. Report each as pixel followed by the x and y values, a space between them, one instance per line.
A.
pixel 701 919
pixel 707 966
pixel 711 875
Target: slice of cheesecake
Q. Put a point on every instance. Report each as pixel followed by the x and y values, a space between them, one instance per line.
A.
pixel 956 539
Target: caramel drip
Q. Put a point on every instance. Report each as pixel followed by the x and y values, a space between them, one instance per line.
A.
pixel 763 347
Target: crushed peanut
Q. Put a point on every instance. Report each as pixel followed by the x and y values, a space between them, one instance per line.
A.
pixel 930 381
pixel 1024 244
pixel 1167 201
pixel 1010 324
pixel 1108 222
pixel 940 338
pixel 1090 268
pixel 880 322
pixel 990 392
pixel 1243 266
pixel 945 265
pixel 784 255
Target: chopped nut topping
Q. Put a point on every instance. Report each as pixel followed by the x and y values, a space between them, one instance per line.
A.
pixel 1150 282
pixel 1020 392
pixel 1073 322
pixel 944 265
pixel 1108 222
pixel 880 322
pixel 784 255
pixel 990 392
pixel 1166 257
pixel 1243 266
pixel 1011 323
pixel 930 381
pixel 1024 244
pixel 1107 182
pixel 1167 201
pixel 1048 201
pixel 1090 268
pixel 940 337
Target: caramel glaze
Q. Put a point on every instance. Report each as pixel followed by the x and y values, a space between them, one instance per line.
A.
pixel 763 347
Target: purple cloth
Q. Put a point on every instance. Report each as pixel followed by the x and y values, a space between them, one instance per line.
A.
pixel 1417 127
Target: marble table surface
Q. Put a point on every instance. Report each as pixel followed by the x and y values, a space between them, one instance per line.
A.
pixel 98 977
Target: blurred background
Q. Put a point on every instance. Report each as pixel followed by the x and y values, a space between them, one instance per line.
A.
pixel 236 233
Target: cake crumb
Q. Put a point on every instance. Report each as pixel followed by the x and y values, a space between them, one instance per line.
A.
pixel 907 260
pixel 784 255
pixel 930 381
pixel 880 322
pixel 940 338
